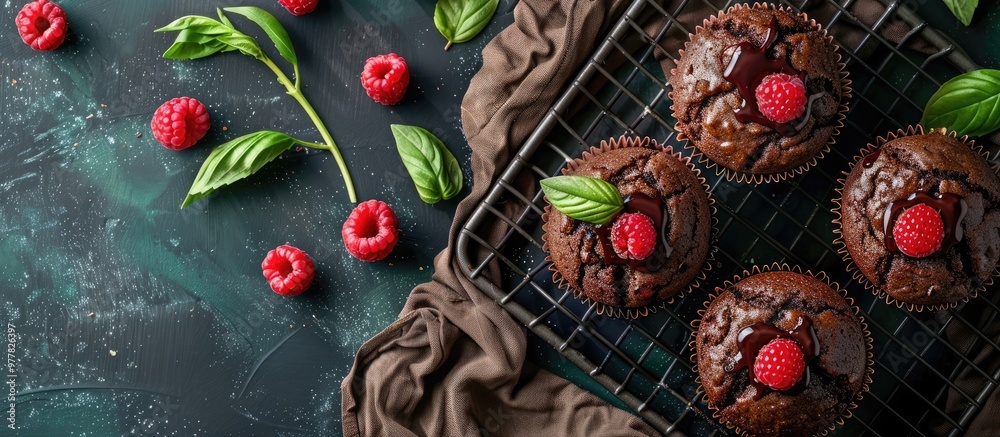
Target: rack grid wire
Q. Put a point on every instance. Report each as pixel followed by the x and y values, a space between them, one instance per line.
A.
pixel 927 378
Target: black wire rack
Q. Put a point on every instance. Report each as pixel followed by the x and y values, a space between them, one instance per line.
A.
pixel 928 380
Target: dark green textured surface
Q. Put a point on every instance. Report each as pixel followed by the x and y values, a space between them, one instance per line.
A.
pixel 91 221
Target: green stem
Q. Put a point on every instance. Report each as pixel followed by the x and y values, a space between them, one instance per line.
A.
pixel 296 67
pixel 296 93
pixel 313 145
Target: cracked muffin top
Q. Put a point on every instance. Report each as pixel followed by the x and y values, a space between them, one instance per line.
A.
pixel 962 235
pixel 740 324
pixel 652 182
pixel 722 91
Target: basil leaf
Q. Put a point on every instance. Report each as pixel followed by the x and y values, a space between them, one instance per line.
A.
pixel 962 9
pixel 193 45
pixel 203 25
pixel 237 160
pixel 583 198
pixel 183 50
pixel 460 20
pixel 198 37
pixel 434 170
pixel 271 27
pixel 223 18
pixel 968 104
pixel 242 42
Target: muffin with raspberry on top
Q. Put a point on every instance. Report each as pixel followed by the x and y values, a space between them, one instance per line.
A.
pixel 628 226
pixel 920 219
pixel 781 353
pixel 760 92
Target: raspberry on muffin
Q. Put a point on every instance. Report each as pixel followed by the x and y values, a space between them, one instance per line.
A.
pixel 919 231
pixel 780 364
pixel 633 236
pixel 781 98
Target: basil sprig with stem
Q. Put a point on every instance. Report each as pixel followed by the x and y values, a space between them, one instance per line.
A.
pixel 968 104
pixel 199 37
pixel 584 198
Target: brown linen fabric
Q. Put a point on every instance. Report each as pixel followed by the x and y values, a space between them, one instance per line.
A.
pixel 454 361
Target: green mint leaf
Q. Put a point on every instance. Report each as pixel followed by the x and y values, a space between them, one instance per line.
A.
pixel 968 104
pixel 460 20
pixel 237 160
pixel 203 25
pixel 272 28
pixel 242 42
pixel 962 9
pixel 583 198
pixel 434 170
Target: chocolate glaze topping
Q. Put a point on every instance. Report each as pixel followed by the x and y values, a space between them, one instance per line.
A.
pixel 951 206
pixel 748 68
pixel 752 338
pixel 869 160
pixel 653 208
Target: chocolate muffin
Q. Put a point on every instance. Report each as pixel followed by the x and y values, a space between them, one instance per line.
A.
pixel 780 353
pixel 923 257
pixel 656 183
pixel 760 91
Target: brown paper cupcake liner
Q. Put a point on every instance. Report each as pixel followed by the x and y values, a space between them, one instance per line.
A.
pixel 783 267
pixel 838 222
pixel 759 178
pixel 634 313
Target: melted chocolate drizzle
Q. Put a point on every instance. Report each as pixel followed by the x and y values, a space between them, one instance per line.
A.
pixel 951 206
pixel 654 209
pixel 749 66
pixel 752 338
pixel 869 160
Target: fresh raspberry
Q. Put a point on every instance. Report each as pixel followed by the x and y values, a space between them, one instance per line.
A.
pixel 42 25
pixel 779 364
pixel 781 97
pixel 385 78
pixel 633 236
pixel 370 231
pixel 919 231
pixel 288 270
pixel 299 7
pixel 180 123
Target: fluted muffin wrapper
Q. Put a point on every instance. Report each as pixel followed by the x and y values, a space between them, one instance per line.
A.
pixel 783 267
pixel 636 312
pixel 842 245
pixel 759 178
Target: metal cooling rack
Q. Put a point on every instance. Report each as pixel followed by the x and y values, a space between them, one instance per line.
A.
pixel 645 362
